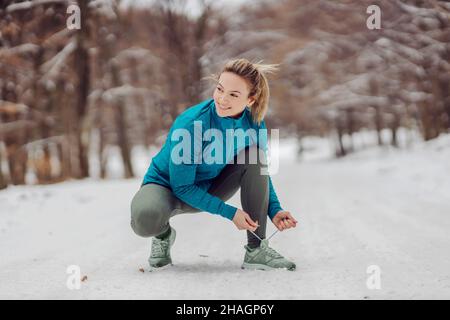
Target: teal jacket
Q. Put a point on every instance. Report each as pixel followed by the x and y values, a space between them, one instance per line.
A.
pixel 190 180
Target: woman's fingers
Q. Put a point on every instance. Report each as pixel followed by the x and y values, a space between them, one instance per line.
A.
pixel 249 226
pixel 252 224
pixel 279 225
pixel 284 220
pixel 287 223
pixel 292 218
pixel 291 223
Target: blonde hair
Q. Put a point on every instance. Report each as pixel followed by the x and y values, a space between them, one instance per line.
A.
pixel 255 74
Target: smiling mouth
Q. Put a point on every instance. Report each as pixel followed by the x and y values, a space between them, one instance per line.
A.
pixel 223 108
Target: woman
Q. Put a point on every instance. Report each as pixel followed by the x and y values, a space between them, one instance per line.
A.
pixel 189 181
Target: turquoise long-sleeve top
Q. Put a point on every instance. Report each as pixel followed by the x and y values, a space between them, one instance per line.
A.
pixel 190 173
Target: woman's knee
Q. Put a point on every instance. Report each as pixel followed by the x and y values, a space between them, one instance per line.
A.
pixel 147 221
pixel 256 159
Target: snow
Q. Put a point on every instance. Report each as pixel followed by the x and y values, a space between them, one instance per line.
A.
pixel 124 91
pixel 256 42
pixel 137 53
pixel 53 66
pixel 342 95
pixel 104 7
pixel 24 5
pixel 422 12
pixel 57 37
pixel 380 206
pixel 193 8
pixel 20 49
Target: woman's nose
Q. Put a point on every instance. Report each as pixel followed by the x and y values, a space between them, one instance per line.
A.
pixel 223 99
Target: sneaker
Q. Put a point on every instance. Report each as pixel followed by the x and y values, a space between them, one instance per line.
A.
pixel 160 255
pixel 265 258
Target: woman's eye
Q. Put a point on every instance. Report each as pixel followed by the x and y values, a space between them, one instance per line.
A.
pixel 220 89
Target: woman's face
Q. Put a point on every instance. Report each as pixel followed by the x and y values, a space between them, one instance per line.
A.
pixel 231 95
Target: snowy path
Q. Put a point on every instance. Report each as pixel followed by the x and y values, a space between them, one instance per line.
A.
pixel 393 212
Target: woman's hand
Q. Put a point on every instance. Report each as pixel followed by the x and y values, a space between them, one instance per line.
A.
pixel 243 221
pixel 284 220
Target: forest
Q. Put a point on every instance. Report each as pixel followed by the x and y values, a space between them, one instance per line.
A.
pixel 70 96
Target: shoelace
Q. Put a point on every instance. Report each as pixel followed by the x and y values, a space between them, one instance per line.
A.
pixel 271 252
pixel 159 246
pixel 262 239
pixel 267 238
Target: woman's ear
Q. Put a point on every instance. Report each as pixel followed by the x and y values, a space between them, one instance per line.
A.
pixel 251 101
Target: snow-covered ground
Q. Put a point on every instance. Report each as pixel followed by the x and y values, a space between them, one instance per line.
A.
pixel 384 207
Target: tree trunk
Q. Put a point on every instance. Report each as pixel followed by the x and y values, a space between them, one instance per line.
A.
pixel 428 121
pixel 43 166
pixel 378 124
pixel 17 159
pixel 121 126
pixel 82 90
pixel 340 152
pixel 64 147
pixel 3 181
pixel 102 156
pixel 447 110
pixel 15 155
pixel 394 128
pixel 350 127
pixel 64 158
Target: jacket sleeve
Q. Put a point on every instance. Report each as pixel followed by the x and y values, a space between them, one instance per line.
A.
pixel 274 203
pixel 182 172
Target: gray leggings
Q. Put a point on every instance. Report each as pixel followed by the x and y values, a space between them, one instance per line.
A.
pixel 153 205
